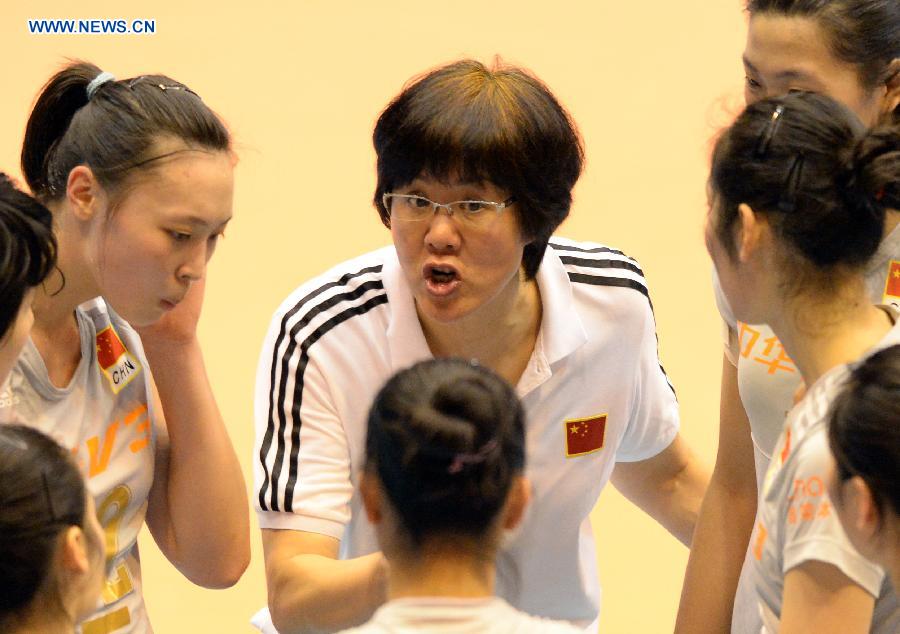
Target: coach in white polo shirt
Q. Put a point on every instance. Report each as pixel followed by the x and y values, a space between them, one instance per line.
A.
pixel 475 172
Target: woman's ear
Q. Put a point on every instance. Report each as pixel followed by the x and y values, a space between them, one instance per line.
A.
pixel 750 230
pixel 517 501
pixel 892 87
pixel 83 192
pixel 861 508
pixel 74 557
pixel 370 489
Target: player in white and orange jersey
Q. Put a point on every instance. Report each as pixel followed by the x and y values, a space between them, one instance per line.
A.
pixel 799 191
pixel 850 51
pixel 139 177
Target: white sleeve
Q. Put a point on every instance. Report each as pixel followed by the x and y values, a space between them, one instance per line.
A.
pixel 729 323
pixel 301 456
pixel 654 420
pixel 813 531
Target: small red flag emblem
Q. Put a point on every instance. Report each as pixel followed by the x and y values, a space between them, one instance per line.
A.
pixel 109 348
pixel 892 285
pixel 585 435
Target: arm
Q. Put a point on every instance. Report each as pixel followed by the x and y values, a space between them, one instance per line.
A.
pixel 725 522
pixel 198 511
pixel 311 590
pixel 819 598
pixel 669 487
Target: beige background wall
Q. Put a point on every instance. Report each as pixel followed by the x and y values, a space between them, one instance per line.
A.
pixel 301 84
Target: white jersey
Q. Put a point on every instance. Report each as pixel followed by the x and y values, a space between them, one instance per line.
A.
pixel 796 521
pixel 767 382
pixel 594 393
pixel 439 615
pixel 767 378
pixel 104 417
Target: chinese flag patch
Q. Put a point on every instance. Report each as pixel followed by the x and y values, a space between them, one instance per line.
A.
pixel 892 286
pixel 109 348
pixel 585 435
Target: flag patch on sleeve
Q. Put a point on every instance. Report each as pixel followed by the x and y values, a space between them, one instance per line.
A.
pixel 892 284
pixel 118 365
pixel 585 435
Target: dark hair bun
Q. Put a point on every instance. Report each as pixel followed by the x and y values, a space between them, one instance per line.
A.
pixel 446 438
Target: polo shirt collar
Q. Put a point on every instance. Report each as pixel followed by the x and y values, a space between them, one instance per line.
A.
pixel 562 331
pixel 406 341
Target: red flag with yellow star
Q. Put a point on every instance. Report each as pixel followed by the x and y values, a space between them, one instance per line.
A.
pixel 585 435
pixel 892 286
pixel 109 348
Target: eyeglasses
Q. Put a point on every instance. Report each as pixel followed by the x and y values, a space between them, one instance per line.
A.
pixel 411 208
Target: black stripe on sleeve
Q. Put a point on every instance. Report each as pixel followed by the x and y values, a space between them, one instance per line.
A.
pixel 270 429
pixel 601 264
pixel 603 280
pixel 377 300
pixel 568 247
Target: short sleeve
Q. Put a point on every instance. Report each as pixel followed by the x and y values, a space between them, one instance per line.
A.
pixel 813 531
pixel 654 420
pixel 302 477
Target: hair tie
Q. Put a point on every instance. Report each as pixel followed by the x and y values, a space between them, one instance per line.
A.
pixel 460 460
pixel 880 195
pixel 98 81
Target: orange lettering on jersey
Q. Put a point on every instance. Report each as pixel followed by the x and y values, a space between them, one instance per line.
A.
pixel 760 542
pixel 143 441
pixel 99 455
pixel 779 359
pixel 143 428
pixel 807 511
pixel 786 451
pixel 754 337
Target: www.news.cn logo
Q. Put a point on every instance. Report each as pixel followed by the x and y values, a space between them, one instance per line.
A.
pixel 92 27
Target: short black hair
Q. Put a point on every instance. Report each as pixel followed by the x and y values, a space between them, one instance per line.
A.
pixel 27 248
pixel 445 439
pixel 499 125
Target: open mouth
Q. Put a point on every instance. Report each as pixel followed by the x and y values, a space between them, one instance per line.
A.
pixel 441 280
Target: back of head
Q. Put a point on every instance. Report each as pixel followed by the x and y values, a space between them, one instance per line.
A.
pixel 27 248
pixel 445 439
pixel 500 125
pixel 822 181
pixel 41 494
pixel 864 33
pixel 864 428
pixel 112 128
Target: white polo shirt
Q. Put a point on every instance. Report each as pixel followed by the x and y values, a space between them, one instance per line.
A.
pixel 796 520
pixel 336 340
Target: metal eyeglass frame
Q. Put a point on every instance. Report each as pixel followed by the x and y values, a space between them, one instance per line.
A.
pixel 497 207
